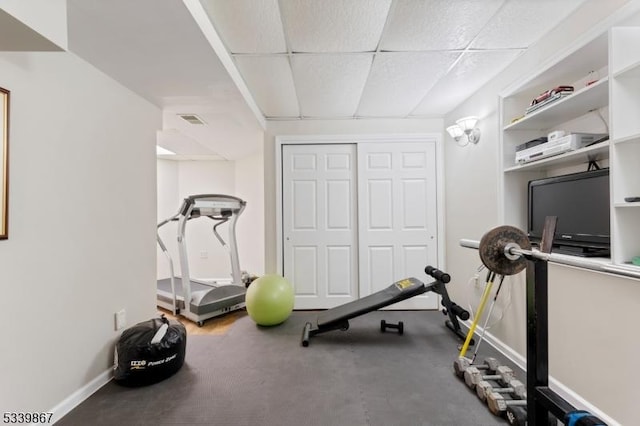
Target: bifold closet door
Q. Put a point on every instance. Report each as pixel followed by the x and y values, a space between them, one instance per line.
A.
pixel 397 216
pixel 319 213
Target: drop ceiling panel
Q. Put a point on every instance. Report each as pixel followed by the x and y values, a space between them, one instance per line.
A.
pixel 519 23
pixel 270 81
pixel 248 26
pixel 436 24
pixel 334 25
pixel 399 81
pixel 306 58
pixel 469 74
pixel 330 85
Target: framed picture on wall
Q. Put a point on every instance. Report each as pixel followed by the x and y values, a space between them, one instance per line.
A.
pixel 4 163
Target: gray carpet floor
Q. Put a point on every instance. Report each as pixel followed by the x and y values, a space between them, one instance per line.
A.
pixel 263 376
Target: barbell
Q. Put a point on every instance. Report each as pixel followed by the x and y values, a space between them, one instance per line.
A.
pixel 506 249
pixel 497 250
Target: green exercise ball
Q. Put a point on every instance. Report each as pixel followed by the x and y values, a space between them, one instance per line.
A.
pixel 269 300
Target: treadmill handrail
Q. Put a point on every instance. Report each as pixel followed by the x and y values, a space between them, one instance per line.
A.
pixel 172 275
pixel 211 205
pixel 172 218
pixel 193 198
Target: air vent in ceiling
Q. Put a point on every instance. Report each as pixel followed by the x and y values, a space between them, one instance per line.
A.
pixel 191 119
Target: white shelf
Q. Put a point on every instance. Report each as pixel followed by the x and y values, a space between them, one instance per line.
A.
pixel 631 138
pixel 617 268
pixel 631 71
pixel 628 266
pixel 579 103
pixel 580 156
pixel 627 205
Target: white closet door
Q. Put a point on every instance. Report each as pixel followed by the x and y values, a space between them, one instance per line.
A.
pixel 397 219
pixel 319 223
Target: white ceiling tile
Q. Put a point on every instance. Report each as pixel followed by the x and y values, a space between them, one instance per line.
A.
pixel 270 81
pixel 330 85
pixel 248 26
pixel 436 24
pixel 520 23
pixel 473 70
pixel 399 81
pixel 334 25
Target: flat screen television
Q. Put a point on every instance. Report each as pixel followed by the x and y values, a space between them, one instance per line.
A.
pixel 581 203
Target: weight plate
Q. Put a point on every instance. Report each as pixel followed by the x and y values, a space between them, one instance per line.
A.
pixel 492 247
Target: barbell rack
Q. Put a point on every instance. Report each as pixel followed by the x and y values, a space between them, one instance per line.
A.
pixel 563 259
pixel 541 400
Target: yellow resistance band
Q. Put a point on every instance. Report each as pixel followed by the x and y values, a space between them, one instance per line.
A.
pixel 483 301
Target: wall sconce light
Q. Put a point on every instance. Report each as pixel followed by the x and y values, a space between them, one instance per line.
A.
pixel 465 130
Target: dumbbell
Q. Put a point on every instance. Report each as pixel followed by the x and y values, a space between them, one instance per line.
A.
pixel 461 364
pixel 498 405
pixel 517 416
pixel 385 325
pixel 473 376
pixel 516 388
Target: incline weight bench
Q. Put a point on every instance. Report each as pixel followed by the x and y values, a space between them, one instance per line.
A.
pixel 338 318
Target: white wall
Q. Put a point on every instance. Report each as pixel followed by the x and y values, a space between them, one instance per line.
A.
pixel 82 208
pixel 590 313
pixel 251 226
pixel 167 186
pixel 168 205
pixel 322 127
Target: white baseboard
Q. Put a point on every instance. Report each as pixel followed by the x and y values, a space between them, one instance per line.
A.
pixel 563 391
pixel 73 400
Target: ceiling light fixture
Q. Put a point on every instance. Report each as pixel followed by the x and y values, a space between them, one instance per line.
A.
pixel 465 130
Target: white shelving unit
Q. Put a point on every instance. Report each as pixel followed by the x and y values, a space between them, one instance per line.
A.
pixel 625 142
pixel 610 105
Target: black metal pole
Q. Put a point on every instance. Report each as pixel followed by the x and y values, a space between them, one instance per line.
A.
pixel 537 339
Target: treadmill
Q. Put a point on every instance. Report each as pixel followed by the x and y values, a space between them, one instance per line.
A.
pixel 194 299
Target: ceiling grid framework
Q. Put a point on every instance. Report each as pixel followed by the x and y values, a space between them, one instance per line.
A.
pixel 239 63
pixel 341 59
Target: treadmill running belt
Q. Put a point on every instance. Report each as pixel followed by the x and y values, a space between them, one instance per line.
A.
pixel 165 285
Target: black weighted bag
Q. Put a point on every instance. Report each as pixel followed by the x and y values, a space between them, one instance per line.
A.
pixel 149 352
